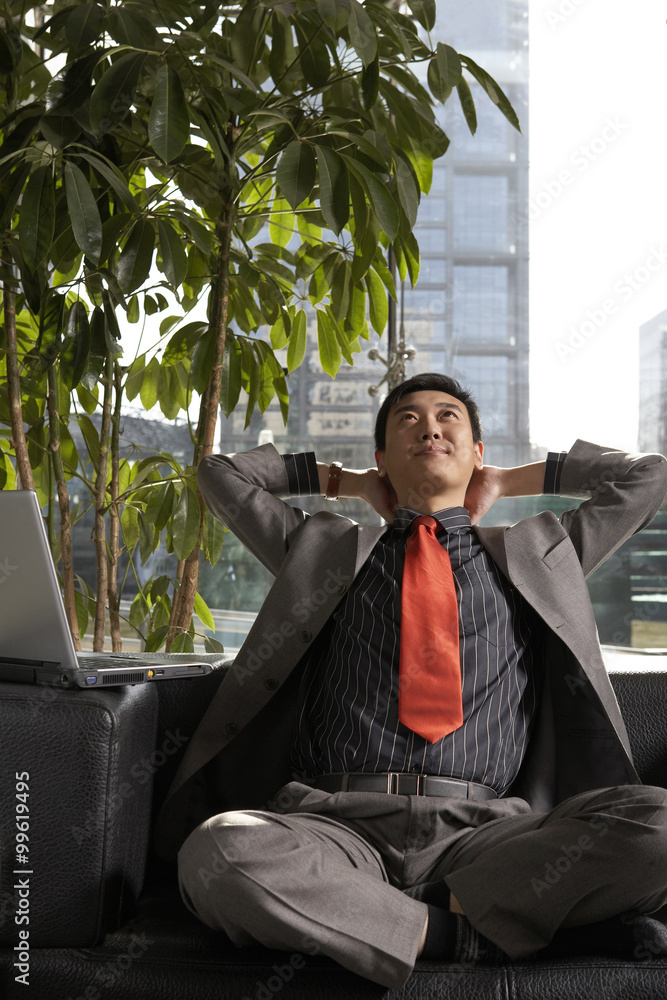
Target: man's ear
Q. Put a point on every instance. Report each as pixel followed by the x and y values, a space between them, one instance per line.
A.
pixel 379 461
pixel 478 448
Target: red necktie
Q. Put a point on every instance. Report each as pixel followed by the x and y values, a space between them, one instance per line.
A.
pixel 429 684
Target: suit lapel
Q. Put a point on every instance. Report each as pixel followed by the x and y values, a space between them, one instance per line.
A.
pixel 318 570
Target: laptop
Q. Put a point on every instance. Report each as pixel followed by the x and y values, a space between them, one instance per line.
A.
pixel 36 645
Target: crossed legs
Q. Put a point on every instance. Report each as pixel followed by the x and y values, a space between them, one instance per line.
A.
pixel 325 876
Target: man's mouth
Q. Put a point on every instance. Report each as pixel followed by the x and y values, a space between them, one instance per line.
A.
pixel 432 449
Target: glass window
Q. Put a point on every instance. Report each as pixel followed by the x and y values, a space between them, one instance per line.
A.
pixel 432 208
pixel 488 378
pixel 480 304
pixel 432 271
pixel 481 212
pixel 425 302
pixel 431 240
pixel 480 24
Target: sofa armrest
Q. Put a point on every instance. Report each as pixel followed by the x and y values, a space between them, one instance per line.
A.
pixel 69 767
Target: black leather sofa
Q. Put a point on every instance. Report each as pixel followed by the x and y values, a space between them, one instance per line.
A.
pixel 105 919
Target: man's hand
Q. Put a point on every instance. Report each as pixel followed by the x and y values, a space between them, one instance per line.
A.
pixel 379 493
pixel 484 488
pixel 491 483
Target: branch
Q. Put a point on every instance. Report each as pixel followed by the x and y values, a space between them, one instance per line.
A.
pixel 14 381
pixel 69 595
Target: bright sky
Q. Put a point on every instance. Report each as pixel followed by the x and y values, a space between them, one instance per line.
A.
pixel 598 242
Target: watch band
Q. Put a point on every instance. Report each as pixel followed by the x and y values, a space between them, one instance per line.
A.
pixel 333 485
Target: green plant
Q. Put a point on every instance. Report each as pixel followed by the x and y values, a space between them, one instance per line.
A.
pixel 260 156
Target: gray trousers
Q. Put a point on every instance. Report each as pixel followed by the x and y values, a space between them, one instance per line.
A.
pixel 323 873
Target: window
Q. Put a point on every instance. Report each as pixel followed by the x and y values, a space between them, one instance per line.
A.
pixel 489 377
pixel 481 212
pixel 480 304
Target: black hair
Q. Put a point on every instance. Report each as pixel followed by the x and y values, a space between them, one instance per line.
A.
pixel 428 381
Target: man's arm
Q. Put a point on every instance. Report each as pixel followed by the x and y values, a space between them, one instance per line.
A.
pixel 247 491
pixel 362 484
pixel 622 493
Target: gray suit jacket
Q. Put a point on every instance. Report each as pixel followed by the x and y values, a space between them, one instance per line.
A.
pixel 579 741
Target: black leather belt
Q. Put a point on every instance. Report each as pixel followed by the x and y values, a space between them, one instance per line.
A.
pixel 398 783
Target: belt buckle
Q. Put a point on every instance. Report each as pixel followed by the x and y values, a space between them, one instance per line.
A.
pixel 394 783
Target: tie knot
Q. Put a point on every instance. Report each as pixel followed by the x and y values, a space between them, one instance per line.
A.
pixel 429 522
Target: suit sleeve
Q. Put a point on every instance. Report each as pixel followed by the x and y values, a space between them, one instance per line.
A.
pixel 622 492
pixel 247 492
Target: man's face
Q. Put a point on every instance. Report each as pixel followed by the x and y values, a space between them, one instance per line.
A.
pixel 429 452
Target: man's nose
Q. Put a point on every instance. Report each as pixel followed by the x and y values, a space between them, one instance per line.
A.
pixel 431 431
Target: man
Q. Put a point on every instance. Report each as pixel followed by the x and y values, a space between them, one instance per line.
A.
pixel 526 816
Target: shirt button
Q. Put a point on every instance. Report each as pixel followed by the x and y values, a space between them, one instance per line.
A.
pixel 305 635
pixel 231 728
pixel 271 684
pixel 342 588
pixel 415 767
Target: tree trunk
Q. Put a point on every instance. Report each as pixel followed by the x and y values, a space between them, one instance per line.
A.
pixel 19 442
pixel 100 527
pixel 184 597
pixel 63 504
pixel 114 524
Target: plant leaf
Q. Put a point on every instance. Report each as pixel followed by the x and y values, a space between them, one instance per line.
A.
pixel 467 104
pixel 370 83
pixel 380 198
pixel 334 188
pixel 203 357
pixel 174 262
pixel 169 121
pixel 424 11
pixel 83 211
pixel 327 343
pixel 113 96
pixel 203 612
pixel 296 347
pixel 160 505
pixel 37 218
pixel 362 33
pixel 185 523
pixel 76 345
pixel 134 263
pixel 377 300
pixel 84 25
pixel 295 173
pixel 70 88
pixel 493 90
pixel 230 388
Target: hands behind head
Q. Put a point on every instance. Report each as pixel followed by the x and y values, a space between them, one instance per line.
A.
pixel 484 488
pixel 379 493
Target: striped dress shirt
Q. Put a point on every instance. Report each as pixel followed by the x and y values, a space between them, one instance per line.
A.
pixel 348 701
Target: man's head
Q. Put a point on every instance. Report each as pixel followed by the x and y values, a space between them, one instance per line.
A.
pixel 428 440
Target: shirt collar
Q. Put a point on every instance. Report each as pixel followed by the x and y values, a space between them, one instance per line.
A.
pixel 450 519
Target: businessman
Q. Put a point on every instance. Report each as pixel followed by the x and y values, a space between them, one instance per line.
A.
pixel 418 751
